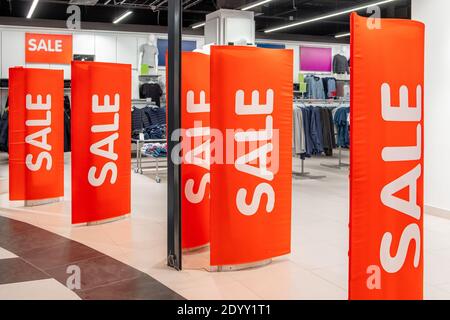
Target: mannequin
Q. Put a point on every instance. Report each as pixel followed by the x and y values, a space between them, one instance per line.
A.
pixel 148 57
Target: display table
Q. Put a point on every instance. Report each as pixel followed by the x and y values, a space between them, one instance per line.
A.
pixel 154 161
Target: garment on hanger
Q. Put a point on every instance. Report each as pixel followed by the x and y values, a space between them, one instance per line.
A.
pixel 315 87
pixel 4 129
pixel 298 136
pixel 67 133
pixel 340 64
pixel 342 124
pixel 316 131
pixel 151 90
pixel 342 88
pixel 328 134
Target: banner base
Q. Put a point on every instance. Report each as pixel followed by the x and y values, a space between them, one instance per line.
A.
pixel 41 202
pixel 196 249
pixel 94 223
pixel 238 267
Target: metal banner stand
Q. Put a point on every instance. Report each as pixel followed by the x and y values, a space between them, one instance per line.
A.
pixel 240 266
pixel 196 249
pixel 41 202
pixel 175 19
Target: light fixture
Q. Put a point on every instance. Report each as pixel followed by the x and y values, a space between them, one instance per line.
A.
pixel 126 14
pixel 331 15
pixel 255 4
pixel 198 25
pixel 32 8
pixel 342 35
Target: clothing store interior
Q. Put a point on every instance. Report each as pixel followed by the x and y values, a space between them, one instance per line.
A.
pixel 126 257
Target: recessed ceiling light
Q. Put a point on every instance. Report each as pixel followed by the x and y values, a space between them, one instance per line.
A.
pixel 331 15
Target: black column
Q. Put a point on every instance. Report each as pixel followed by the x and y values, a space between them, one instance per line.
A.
pixel 175 20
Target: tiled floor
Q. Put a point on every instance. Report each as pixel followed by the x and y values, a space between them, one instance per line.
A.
pixel 42 255
pixel 316 268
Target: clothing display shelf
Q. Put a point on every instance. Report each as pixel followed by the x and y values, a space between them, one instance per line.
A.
pixel 154 164
pixel 149 78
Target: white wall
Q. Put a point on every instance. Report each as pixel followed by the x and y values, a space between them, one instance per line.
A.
pixel 119 47
pixel 295 45
pixel 434 13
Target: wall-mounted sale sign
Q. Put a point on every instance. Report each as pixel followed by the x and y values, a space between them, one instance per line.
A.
pixel 386 177
pixel 101 148
pixel 36 134
pixel 251 171
pixel 195 174
pixel 48 48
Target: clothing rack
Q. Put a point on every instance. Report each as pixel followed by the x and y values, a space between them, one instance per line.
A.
pixel 321 103
pixel 340 164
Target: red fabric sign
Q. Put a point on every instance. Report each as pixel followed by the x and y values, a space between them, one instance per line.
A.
pixel 251 95
pixel 386 177
pixel 36 134
pixel 101 146
pixel 48 48
pixel 195 174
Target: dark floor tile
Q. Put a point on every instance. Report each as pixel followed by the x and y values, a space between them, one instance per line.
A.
pixel 70 252
pixel 9 227
pixel 96 272
pixel 33 238
pixel 17 270
pixel 141 288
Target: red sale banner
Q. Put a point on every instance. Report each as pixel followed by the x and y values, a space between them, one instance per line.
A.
pixel 48 48
pixel 101 148
pixel 195 174
pixel 36 134
pixel 386 175
pixel 251 173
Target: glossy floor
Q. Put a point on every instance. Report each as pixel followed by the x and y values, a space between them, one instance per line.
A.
pixel 316 268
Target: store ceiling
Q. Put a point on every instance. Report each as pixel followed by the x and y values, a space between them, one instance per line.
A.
pixel 154 12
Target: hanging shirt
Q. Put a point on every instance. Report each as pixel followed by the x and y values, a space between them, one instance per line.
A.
pixel 151 90
pixel 340 64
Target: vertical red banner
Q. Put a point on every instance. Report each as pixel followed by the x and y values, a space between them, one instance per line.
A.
pixel 195 176
pixel 386 176
pixel 36 134
pixel 251 172
pixel 101 146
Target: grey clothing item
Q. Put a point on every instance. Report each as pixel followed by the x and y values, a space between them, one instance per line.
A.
pixel 148 54
pixel 340 64
pixel 331 86
pixel 298 136
pixel 315 87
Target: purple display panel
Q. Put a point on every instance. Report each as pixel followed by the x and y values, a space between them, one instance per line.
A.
pixel 315 59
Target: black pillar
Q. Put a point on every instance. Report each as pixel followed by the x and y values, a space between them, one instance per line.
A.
pixel 175 21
